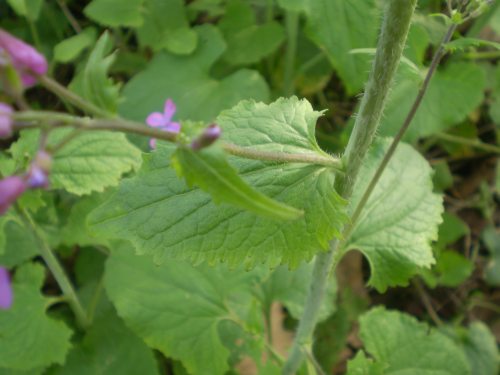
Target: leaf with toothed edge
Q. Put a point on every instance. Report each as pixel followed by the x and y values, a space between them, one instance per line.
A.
pixel 163 217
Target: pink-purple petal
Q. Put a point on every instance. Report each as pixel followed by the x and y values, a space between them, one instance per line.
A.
pixel 169 110
pixel 156 120
pixel 172 127
pixel 152 143
pixel 6 295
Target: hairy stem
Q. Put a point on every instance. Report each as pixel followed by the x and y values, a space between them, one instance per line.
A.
pixel 395 26
pixel 404 127
pixel 57 270
pixel 46 119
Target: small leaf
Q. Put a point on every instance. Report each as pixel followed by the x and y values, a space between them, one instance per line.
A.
pixel 28 337
pixel 248 42
pixel 462 44
pixel 399 344
pixel 69 49
pixel 166 26
pixel 400 219
pixel 209 170
pixel 115 13
pixel 27 8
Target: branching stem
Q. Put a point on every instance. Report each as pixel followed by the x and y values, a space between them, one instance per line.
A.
pixel 56 269
pixel 46 119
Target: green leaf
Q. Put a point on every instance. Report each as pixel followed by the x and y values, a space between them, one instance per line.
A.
pixel 75 231
pixel 480 347
pixel 210 171
pixel 177 308
pixel 401 217
pixel 399 344
pixel 338 26
pixel 248 42
pixel 187 80
pixel 70 48
pixel 462 44
pixel 495 96
pixel 109 348
pixel 28 337
pixel 93 82
pixel 166 26
pixel 162 217
pixel 27 8
pixel 451 230
pixel 115 13
pixel 452 268
pixel 361 365
pixel 19 244
pixel 453 93
pixel 90 162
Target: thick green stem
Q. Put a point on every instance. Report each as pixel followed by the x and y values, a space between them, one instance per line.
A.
pixel 395 26
pixel 45 119
pixel 292 23
pixel 57 270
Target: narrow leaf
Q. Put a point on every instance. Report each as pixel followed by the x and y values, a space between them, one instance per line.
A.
pixel 209 170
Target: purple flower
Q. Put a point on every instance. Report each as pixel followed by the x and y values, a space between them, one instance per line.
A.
pixel 5 120
pixel 209 136
pixel 6 296
pixel 24 58
pixel 164 120
pixel 11 188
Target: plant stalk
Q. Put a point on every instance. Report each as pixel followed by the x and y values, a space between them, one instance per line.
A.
pixel 71 97
pixel 395 27
pixel 57 270
pixel 46 119
pixel 292 23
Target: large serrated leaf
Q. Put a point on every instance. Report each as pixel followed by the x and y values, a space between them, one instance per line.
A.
pixel 400 219
pixel 163 217
pixel 210 171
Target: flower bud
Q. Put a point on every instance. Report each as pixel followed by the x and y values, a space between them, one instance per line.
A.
pixel 6 296
pixel 5 120
pixel 11 188
pixel 25 59
pixel 209 136
pixel 38 175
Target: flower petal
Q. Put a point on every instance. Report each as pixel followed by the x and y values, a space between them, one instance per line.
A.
pixel 156 119
pixel 172 127
pixel 152 143
pixel 6 296
pixel 169 110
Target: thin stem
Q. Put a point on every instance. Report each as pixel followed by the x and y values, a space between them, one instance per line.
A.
pixel 469 142
pixel 34 32
pixel 71 97
pixel 56 269
pixel 395 26
pixel 69 16
pixel 32 119
pixel 292 22
pixel 392 148
pixel 427 302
